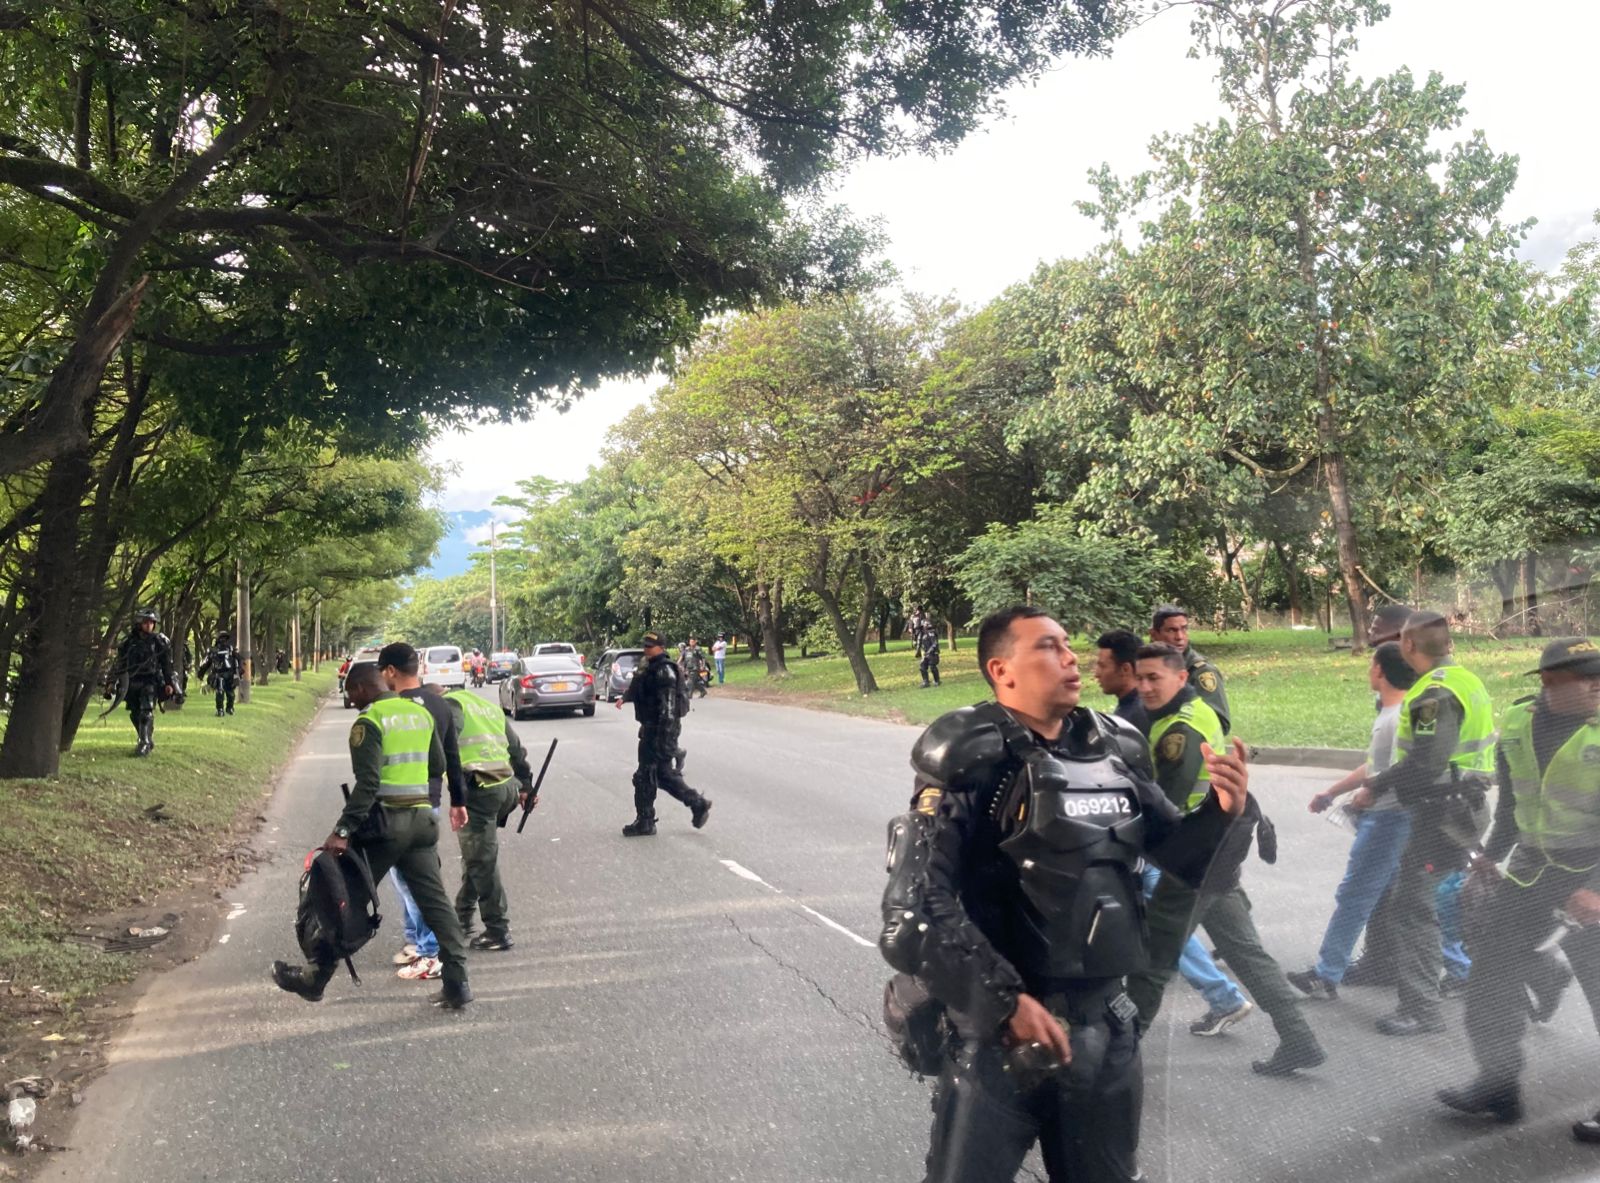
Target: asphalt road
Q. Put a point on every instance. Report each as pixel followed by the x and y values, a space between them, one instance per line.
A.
pixel 704 1006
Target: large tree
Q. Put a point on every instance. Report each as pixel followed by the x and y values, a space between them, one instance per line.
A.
pixel 1317 288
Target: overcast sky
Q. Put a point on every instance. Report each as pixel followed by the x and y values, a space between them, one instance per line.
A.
pixel 979 219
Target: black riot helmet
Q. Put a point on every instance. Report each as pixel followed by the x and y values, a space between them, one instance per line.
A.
pixel 144 614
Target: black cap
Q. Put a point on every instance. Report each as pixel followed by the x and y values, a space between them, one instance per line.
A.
pixel 1578 654
pixel 653 641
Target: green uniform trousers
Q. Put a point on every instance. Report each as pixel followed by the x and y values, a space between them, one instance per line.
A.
pixel 1173 914
pixel 480 858
pixel 412 844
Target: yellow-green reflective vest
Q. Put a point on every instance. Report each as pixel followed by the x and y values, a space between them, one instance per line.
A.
pixel 1475 749
pixel 484 753
pixel 407 731
pixel 1197 713
pixel 1559 811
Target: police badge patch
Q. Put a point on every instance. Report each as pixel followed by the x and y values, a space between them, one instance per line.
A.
pixel 1207 681
pixel 358 735
pixel 928 800
pixel 1591 754
pixel 1425 717
pixel 1172 745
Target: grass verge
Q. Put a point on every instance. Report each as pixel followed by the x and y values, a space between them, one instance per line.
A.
pixel 1285 688
pixel 113 831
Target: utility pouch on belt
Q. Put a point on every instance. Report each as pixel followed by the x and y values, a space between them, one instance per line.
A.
pixel 915 1022
pixel 374 827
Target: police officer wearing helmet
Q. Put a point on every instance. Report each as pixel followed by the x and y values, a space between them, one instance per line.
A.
pixel 221 670
pixel 1014 901
pixel 660 699
pixel 1170 626
pixel 1548 820
pixel 143 674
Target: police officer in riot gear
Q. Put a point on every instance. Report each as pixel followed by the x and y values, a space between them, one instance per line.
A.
pixel 142 673
pixel 660 700
pixel 220 669
pixel 1014 902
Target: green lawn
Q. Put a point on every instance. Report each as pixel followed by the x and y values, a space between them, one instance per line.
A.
pixel 1285 688
pixel 83 844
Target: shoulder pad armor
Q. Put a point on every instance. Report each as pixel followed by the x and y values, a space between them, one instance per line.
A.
pixel 964 749
pixel 1130 743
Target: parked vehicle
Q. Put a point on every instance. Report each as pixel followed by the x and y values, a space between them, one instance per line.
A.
pixel 551 647
pixel 442 665
pixel 502 663
pixel 543 684
pixel 614 671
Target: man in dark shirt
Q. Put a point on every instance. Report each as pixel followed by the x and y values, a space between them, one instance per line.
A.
pixel 1117 651
pixel 659 700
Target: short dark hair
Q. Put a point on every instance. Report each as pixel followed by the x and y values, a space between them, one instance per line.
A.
pixel 1167 655
pixel 1393 666
pixel 399 655
pixel 1124 646
pixel 361 675
pixel 1430 633
pixel 1389 620
pixel 1165 613
pixel 994 633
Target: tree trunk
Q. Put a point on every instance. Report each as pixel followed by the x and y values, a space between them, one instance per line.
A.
pixel 32 745
pixel 1530 589
pixel 767 609
pixel 243 635
pixel 8 637
pixel 316 636
pixel 852 639
pixel 1333 467
pixel 1504 573
pixel 1290 580
pixel 883 625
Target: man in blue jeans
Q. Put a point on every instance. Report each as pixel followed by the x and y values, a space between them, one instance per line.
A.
pixel 719 655
pixel 1382 831
pixel 419 960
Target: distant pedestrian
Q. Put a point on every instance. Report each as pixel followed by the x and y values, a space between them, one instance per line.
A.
pixel 660 699
pixel 719 654
pixel 928 656
pixel 221 669
pixel 1170 626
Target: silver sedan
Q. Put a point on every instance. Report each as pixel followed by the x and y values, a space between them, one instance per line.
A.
pixel 554 683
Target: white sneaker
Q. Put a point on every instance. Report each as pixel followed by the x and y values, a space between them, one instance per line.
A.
pixel 406 956
pixel 422 969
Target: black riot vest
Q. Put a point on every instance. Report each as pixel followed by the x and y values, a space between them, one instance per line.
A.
pixel 1072 828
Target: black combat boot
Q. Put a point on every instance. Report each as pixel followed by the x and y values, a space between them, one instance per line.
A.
pixel 700 813
pixel 1482 1098
pixel 454 996
pixel 643 826
pixel 293 979
pixel 1291 1056
pixel 491 942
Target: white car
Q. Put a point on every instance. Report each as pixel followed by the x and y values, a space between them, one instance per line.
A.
pixel 442 665
pixel 554 648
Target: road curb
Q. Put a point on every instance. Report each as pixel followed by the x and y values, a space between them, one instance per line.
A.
pixel 1344 758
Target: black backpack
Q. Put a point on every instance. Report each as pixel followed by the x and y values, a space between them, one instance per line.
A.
pixel 338 910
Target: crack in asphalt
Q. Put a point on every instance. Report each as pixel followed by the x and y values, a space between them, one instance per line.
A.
pixel 854 1017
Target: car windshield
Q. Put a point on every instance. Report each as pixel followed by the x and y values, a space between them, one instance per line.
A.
pixel 555 647
pixel 502 657
pixel 626 661
pixel 443 656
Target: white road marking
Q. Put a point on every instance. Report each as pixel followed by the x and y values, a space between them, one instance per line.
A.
pixel 746 873
pixel 238 911
pixel 223 939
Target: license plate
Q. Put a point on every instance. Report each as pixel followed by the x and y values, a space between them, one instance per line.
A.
pixel 559 686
